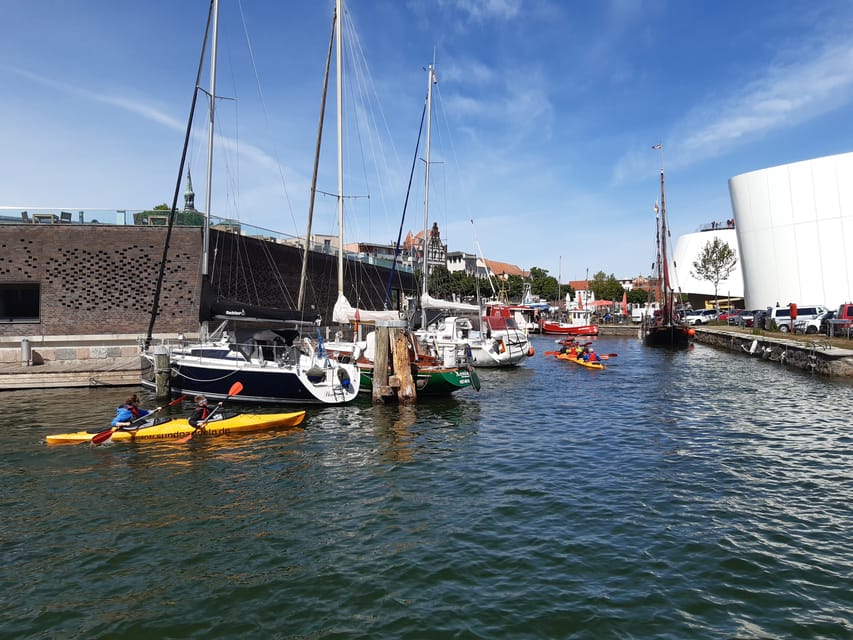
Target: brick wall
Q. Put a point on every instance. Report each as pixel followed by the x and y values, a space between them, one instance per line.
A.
pixel 100 279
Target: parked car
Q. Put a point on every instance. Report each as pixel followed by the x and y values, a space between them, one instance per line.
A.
pixel 817 324
pixel 724 317
pixel 782 315
pixel 744 318
pixel 700 316
pixel 639 312
pixel 826 322
pixel 842 321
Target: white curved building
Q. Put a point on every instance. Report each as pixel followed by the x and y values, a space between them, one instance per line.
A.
pixel 687 251
pixel 795 232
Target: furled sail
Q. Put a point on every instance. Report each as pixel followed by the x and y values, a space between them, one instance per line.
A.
pixel 344 313
pixel 428 302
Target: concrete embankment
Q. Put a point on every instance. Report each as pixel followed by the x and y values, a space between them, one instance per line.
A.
pixel 817 355
pixel 70 361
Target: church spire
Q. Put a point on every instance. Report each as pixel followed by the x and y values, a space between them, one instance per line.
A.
pixel 189 196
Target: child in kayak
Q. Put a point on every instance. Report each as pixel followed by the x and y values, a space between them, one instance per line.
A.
pixel 128 412
pixel 201 411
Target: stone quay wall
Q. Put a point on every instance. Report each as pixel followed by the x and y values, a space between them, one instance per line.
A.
pixel 817 356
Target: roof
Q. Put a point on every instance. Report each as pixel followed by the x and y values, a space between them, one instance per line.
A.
pixel 504 268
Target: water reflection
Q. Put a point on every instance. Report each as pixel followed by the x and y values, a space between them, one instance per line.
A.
pixel 714 477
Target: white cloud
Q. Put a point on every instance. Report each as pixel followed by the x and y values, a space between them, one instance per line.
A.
pixel 787 94
pixel 480 10
pixel 151 113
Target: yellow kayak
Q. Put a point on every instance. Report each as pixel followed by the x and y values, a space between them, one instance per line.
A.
pixel 179 427
pixel 584 363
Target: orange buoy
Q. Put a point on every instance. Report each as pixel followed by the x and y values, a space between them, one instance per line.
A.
pixel 530 352
pixel 691 332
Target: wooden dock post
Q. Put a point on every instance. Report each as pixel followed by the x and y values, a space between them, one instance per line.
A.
pixel 162 369
pixel 407 393
pixel 380 366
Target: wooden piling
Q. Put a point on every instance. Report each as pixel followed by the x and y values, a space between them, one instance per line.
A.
pixel 407 393
pixel 380 366
pixel 162 371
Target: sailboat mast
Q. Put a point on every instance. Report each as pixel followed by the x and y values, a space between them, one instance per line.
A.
pixel 667 299
pixel 338 59
pixel 430 80
pixel 212 98
pixel 301 299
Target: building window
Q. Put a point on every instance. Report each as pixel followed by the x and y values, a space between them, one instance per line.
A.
pixel 19 302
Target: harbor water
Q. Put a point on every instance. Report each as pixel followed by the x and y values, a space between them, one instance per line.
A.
pixel 694 494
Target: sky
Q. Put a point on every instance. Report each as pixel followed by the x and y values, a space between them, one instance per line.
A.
pixel 544 116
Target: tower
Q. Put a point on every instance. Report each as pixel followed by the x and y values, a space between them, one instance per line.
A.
pixel 189 196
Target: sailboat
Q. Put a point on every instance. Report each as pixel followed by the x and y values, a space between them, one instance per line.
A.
pixel 261 348
pixel 499 342
pixel 664 328
pixel 432 376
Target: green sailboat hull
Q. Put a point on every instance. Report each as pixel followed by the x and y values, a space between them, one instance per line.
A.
pixel 436 381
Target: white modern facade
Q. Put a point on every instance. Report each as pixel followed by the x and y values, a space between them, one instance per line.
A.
pixel 794 226
pixel 687 251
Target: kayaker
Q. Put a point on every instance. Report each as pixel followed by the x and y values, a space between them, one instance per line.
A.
pixel 128 412
pixel 201 411
pixel 592 356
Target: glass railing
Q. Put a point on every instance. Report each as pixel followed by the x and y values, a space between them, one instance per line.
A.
pixel 149 217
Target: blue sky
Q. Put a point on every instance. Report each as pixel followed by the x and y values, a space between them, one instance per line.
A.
pixel 545 114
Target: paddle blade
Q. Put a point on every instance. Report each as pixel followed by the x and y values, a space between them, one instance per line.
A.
pixel 185 439
pixel 235 389
pixel 103 436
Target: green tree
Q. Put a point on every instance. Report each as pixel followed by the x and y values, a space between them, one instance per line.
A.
pixel 440 282
pixel 715 263
pixel 544 286
pixel 638 296
pixel 606 287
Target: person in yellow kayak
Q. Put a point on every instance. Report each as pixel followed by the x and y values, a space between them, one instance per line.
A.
pixel 128 412
pixel 201 411
pixel 591 355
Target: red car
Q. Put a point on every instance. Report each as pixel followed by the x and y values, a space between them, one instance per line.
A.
pixel 724 317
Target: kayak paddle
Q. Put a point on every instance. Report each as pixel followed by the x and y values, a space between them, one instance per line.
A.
pixel 105 435
pixel 236 388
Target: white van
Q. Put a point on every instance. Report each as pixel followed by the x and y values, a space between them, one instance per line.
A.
pixel 642 310
pixel 782 315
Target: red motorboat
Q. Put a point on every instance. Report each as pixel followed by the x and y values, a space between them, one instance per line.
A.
pixel 578 324
pixel 569 329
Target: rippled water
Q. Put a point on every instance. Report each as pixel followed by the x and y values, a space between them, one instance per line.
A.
pixel 697 494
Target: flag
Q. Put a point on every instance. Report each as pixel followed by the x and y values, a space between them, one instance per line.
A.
pixel 657 146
